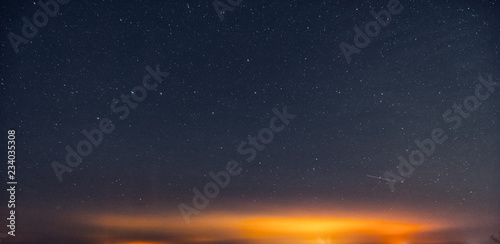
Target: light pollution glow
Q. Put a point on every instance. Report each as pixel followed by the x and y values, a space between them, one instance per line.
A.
pixel 271 229
pixel 264 223
pixel 234 227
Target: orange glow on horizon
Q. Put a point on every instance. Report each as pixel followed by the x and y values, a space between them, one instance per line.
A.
pixel 289 226
pixel 256 228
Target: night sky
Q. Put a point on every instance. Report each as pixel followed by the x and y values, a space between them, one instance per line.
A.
pixel 245 122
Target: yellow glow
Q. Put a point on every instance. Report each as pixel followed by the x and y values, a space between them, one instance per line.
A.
pixel 260 228
pixel 292 226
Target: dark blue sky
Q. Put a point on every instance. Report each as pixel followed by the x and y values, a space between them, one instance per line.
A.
pixel 226 77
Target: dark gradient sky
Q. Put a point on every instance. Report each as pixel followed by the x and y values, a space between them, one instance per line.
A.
pixel 312 180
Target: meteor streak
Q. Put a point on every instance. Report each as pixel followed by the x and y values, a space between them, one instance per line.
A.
pixel 381 178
